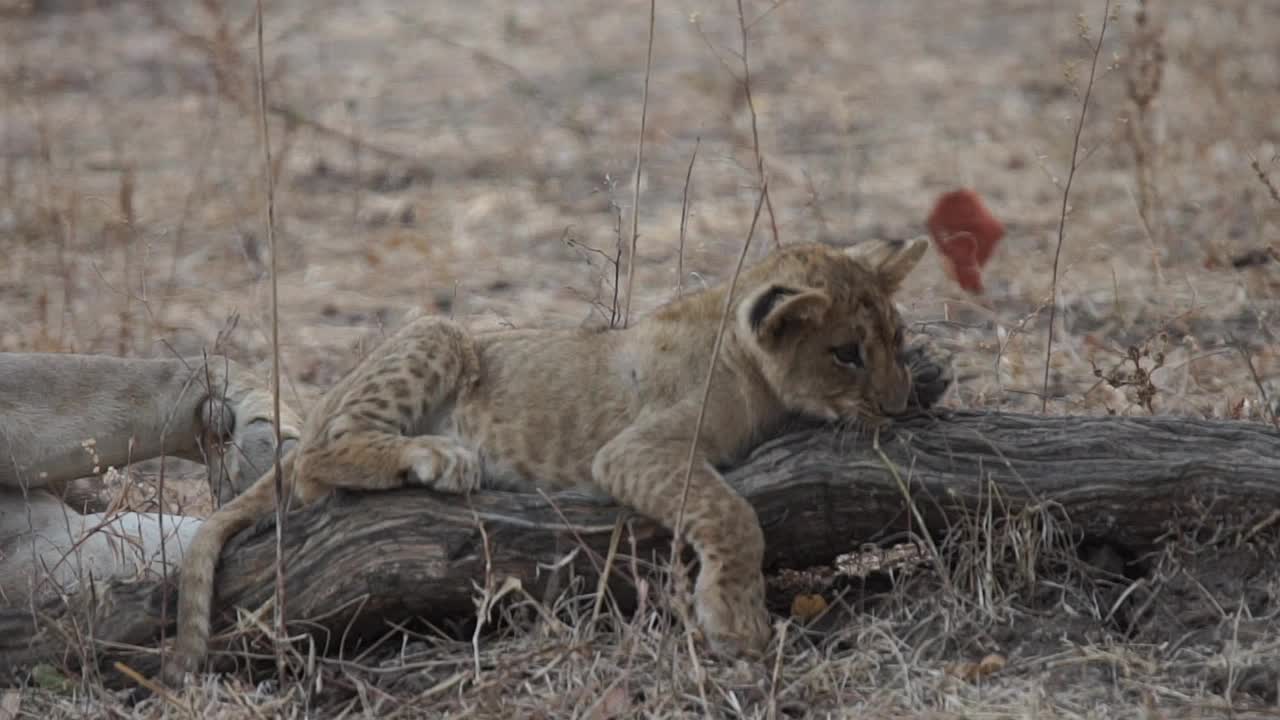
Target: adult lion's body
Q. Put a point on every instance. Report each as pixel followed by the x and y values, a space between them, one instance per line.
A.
pixel 65 416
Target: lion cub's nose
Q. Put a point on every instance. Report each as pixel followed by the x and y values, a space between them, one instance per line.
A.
pixel 894 407
pixel 894 400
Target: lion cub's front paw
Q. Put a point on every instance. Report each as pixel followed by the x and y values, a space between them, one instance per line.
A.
pixel 444 466
pixel 931 372
pixel 733 617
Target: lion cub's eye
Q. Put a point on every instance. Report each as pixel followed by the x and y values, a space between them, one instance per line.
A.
pixel 848 355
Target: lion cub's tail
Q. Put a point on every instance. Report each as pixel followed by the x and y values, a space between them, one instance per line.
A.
pixel 195 582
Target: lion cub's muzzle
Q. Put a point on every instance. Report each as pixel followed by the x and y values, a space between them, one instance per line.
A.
pixel 893 400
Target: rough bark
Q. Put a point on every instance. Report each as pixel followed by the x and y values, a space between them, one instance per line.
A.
pixel 358 560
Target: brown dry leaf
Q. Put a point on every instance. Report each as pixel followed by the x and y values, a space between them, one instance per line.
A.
pixel 807 607
pixel 991 664
pixel 974 671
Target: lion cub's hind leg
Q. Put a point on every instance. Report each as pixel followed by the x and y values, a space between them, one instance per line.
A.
pixel 374 430
pixel 365 434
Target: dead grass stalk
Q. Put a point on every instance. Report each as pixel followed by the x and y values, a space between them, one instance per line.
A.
pixel 743 27
pixel 635 198
pixel 684 217
pixel 269 211
pixel 1066 198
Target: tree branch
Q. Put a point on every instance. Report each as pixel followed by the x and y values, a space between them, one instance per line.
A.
pixel 356 561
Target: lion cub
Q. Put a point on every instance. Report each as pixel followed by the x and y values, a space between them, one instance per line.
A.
pixel 813 331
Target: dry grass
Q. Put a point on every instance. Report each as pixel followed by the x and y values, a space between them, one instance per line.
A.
pixel 470 160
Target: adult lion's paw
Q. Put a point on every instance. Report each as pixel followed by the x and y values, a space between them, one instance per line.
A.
pixel 931 372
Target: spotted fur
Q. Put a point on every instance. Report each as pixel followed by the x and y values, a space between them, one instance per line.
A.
pixel 814 331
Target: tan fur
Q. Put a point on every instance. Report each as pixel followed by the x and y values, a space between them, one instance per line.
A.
pixel 439 407
pixel 66 416
pixel 63 414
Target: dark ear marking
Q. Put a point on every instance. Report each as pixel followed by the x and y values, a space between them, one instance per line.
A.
pixel 765 304
pixel 775 311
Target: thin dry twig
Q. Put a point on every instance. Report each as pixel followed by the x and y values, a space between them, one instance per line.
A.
pixel 743 26
pixel 711 370
pixel 1066 196
pixel 1143 76
pixel 635 198
pixel 1264 179
pixel 684 216
pixel 220 49
pixel 602 585
pixel 1267 409
pixel 156 688
pixel 269 222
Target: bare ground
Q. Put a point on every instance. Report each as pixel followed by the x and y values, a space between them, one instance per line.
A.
pixel 477 159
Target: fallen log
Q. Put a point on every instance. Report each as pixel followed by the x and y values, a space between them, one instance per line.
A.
pixel 358 560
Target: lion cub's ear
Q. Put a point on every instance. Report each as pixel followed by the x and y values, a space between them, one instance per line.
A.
pixel 892 260
pixel 775 311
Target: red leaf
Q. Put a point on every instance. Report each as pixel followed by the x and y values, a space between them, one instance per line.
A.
pixel 966 234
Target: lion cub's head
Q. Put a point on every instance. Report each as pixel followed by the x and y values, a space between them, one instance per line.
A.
pixel 823 327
